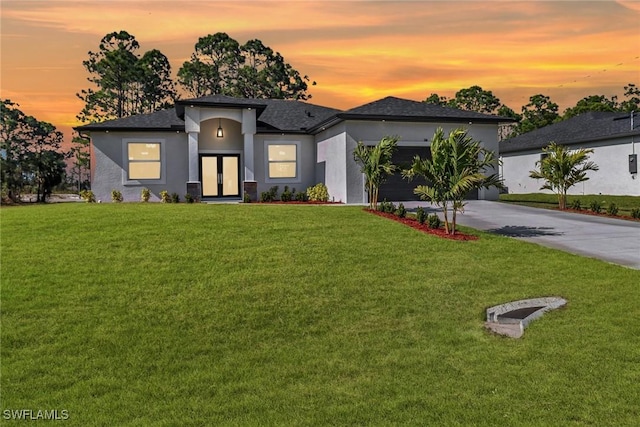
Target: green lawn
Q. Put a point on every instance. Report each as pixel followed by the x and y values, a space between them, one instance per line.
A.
pixel 550 201
pixel 151 314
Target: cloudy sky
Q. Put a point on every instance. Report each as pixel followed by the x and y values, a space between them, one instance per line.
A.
pixel 356 51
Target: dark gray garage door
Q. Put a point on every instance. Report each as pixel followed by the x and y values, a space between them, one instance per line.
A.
pixel 398 189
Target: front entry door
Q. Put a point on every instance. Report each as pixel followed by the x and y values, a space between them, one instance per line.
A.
pixel 220 175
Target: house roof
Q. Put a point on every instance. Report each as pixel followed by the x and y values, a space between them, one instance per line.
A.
pixel 162 120
pixel 393 108
pixel 278 115
pixel 586 127
pixel 289 115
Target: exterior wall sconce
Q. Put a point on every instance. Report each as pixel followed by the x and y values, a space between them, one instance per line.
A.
pixel 219 133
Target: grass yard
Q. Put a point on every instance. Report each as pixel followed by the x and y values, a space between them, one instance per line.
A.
pixel 153 314
pixel 550 201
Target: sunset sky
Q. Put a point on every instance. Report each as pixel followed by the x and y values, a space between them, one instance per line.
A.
pixel 356 51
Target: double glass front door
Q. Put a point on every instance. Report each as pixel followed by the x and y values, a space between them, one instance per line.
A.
pixel 220 175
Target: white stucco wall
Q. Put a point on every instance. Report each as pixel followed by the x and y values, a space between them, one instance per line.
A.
pixel 613 178
pixel 332 151
pixel 109 165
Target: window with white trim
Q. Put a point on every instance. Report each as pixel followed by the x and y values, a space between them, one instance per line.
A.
pixel 282 161
pixel 144 160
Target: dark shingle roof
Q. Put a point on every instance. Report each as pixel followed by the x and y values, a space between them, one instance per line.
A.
pixel 405 109
pixel 159 121
pixel 278 115
pixel 586 127
pixel 289 115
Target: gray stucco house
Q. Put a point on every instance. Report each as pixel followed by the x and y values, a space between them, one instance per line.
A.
pixel 219 147
pixel 614 138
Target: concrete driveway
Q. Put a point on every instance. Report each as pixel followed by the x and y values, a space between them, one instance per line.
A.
pixel 613 240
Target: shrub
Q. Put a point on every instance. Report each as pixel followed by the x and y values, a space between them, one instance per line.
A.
pixel 246 198
pixel 433 221
pixel 318 193
pixel 595 206
pixel 391 208
pixel 286 195
pixel 88 196
pixel 401 212
pixel 576 205
pixel 188 198
pixel 269 196
pixel 635 213
pixel 421 215
pixel 164 196
pixel 387 207
pixel 612 209
pixel 145 195
pixel 116 196
pixel 175 198
pixel 300 197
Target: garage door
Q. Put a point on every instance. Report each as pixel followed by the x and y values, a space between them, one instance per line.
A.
pixel 396 188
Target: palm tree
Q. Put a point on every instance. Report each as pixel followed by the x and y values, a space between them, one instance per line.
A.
pixel 457 166
pixel 561 169
pixel 375 164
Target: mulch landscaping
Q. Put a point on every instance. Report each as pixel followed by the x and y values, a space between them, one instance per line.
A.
pixel 413 223
pixel 604 214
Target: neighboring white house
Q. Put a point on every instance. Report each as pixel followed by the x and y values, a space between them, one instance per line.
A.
pixel 614 138
pixel 219 147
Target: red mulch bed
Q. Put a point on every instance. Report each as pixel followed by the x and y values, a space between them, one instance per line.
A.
pixel 604 214
pixel 424 228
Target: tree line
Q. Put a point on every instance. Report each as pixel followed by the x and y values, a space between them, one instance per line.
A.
pixel 127 83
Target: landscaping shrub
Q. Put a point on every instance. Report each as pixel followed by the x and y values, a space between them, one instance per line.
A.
pixel 116 196
pixel 635 213
pixel 421 215
pixel 164 196
pixel 576 205
pixel 246 198
pixel 300 197
pixel 386 206
pixel 145 195
pixel 318 193
pixel 612 209
pixel 433 221
pixel 175 198
pixel 188 198
pixel 88 196
pixel 401 212
pixel 595 206
pixel 269 196
pixel 286 195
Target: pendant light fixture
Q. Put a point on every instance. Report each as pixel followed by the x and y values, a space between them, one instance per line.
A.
pixel 219 133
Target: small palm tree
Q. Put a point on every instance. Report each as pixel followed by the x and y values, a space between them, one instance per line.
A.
pixel 457 166
pixel 375 163
pixel 561 169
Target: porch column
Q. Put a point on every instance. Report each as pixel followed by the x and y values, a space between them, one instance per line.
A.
pixel 193 185
pixel 250 186
pixel 193 157
pixel 249 174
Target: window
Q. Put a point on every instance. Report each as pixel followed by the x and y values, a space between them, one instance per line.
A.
pixel 144 160
pixel 282 161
